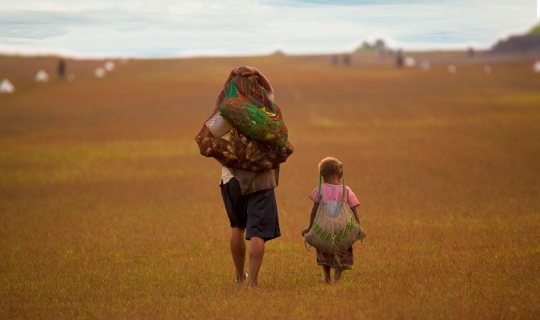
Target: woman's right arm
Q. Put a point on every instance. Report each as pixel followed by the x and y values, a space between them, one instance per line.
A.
pixel 222 94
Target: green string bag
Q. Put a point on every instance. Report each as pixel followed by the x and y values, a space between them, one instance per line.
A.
pixel 259 120
pixel 334 234
pixel 229 146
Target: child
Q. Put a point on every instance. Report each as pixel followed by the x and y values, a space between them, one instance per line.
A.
pixel 332 194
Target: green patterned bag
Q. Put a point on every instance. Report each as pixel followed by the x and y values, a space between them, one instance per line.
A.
pixel 232 148
pixel 259 120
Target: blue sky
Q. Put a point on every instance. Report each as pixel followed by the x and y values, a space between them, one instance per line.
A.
pixel 163 28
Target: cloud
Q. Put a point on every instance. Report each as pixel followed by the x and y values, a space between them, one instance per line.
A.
pixel 335 2
pixel 32 24
pixel 163 27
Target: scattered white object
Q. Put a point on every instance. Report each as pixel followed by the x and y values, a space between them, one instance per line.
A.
pixel 536 66
pixel 425 65
pixel 71 77
pixel 109 66
pixel 41 76
pixel 99 73
pixel 6 86
pixel 409 62
pixel 452 68
pixel 487 69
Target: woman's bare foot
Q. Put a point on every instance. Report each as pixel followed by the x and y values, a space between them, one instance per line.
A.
pixel 241 280
pixel 253 285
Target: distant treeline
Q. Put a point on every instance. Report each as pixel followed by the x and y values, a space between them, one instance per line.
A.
pixel 528 43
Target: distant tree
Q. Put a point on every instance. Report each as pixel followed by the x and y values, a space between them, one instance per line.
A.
pixel 535 30
pixel 365 47
pixel 380 44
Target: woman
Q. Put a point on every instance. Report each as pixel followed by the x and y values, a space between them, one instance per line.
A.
pixel 248 196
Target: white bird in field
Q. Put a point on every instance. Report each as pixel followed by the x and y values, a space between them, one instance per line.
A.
pixel 425 65
pixel 99 73
pixel 109 66
pixel 409 62
pixel 41 76
pixel 6 86
pixel 536 66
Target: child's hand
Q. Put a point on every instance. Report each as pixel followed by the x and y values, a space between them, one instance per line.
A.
pixel 305 230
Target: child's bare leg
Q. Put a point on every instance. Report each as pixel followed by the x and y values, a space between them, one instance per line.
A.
pixel 326 271
pixel 238 252
pixel 337 275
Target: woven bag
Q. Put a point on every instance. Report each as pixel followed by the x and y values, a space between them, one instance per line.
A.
pixel 230 147
pixel 235 150
pixel 334 234
pixel 259 120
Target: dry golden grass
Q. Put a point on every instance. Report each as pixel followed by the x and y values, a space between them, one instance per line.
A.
pixel 108 211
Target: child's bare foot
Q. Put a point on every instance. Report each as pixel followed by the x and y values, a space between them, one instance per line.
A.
pixel 325 279
pixel 337 275
pixel 241 280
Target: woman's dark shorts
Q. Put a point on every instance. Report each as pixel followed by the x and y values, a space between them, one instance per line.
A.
pixel 256 212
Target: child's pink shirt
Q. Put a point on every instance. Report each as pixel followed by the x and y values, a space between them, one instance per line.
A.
pixel 333 192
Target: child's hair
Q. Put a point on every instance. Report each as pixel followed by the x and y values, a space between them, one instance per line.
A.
pixel 329 166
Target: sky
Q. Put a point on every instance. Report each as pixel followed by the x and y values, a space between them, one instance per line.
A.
pixel 163 28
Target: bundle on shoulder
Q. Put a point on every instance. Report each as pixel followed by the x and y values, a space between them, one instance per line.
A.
pixel 246 130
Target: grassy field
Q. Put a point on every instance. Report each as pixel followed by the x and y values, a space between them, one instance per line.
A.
pixel 108 211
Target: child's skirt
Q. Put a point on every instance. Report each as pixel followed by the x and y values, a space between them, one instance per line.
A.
pixel 346 259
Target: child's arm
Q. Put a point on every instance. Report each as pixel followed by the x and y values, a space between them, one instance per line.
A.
pixel 311 219
pixel 357 217
pixel 355 213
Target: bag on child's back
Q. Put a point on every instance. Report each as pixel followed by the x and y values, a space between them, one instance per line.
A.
pixel 334 234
